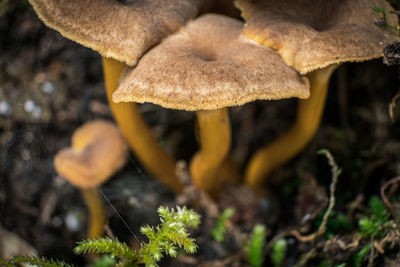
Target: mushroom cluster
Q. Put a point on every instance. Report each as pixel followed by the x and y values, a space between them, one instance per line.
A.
pixel 313 37
pixel 176 54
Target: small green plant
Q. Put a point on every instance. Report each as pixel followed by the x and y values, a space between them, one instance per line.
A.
pixel 165 238
pixel 278 252
pixel 371 227
pixel 361 254
pixel 219 230
pixel 378 216
pixel 255 250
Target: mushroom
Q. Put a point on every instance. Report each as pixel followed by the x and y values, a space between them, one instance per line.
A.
pixel 313 36
pixel 207 67
pixel 98 151
pixel 121 31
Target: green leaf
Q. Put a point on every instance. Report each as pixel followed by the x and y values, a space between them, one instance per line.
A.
pixel 378 209
pixel 219 230
pixel 378 216
pixel 279 252
pixel 255 250
pixel 360 256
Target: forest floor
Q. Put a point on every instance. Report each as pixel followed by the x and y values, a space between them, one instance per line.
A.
pixel 49 86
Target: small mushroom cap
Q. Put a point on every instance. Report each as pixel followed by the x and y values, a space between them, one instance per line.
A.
pixel 207 66
pixel 98 151
pixel 123 31
pixel 312 34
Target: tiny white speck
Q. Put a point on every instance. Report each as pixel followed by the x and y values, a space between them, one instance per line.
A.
pixel 72 222
pixel 132 201
pixel 48 87
pixel 29 105
pixel 306 217
pixel 4 107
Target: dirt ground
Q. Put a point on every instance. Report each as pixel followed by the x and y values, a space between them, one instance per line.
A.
pixel 49 86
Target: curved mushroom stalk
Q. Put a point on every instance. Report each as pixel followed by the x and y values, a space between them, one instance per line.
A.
pixel 215 141
pixel 97 217
pixel 136 132
pixel 298 136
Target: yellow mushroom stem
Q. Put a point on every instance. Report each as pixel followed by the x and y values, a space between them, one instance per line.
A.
pixel 139 137
pixel 215 139
pixel 288 145
pixel 97 217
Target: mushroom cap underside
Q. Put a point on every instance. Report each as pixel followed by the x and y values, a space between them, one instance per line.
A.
pixel 312 34
pixel 116 29
pixel 98 150
pixel 207 65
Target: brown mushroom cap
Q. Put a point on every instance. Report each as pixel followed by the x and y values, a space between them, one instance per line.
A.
pixel 312 34
pixel 123 31
pixel 207 66
pixel 98 151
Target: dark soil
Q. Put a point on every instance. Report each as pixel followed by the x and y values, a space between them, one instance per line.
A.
pixel 49 86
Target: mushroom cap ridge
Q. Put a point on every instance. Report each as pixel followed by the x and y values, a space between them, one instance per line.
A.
pixel 123 31
pixel 312 34
pixel 207 65
pixel 98 151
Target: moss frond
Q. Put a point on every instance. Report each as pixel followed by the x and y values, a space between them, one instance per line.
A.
pixel 170 235
pixel 39 262
pixel 105 245
pixel 255 249
pixel 6 263
pixel 165 238
pixel 219 230
pixel 279 252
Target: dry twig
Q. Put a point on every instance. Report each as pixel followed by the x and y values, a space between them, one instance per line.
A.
pixel 383 194
pixel 322 228
pixel 392 106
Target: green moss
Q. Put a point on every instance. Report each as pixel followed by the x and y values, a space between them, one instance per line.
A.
pixel 255 249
